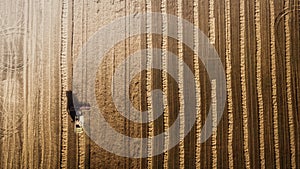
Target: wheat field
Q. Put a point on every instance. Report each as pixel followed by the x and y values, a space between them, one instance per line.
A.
pixel 257 42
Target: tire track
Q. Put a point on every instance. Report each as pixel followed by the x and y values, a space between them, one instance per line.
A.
pixel 51 158
pixel 205 97
pixel 14 96
pixel 64 83
pixel 222 126
pixel 148 83
pixel 212 39
pixel 180 85
pixel 4 108
pixel 172 88
pixel 229 83
pixel 187 56
pixel 259 83
pixel 266 79
pixel 165 81
pixel 143 87
pixel 274 84
pixel 283 126
pixel 80 146
pixel 156 83
pixel 32 153
pixel 243 81
pixel 81 150
pixel 197 85
pixel 289 88
pixel 238 147
pixel 252 49
pixel 10 102
pixel 42 94
pixel 214 123
pixel 48 89
pixel 35 85
pixel 24 156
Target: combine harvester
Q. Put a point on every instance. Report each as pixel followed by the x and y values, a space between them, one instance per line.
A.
pixel 77 113
pixel 79 119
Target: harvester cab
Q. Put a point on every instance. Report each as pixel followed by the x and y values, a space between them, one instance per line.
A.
pixel 79 118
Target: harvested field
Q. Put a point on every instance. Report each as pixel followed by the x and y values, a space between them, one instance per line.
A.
pixel 257 42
